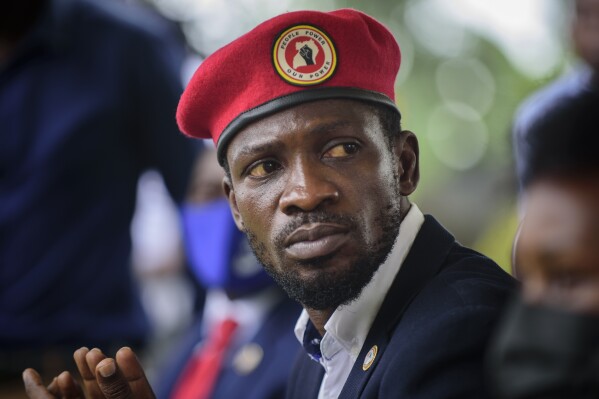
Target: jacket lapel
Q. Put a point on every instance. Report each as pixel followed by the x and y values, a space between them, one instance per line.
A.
pixel 429 250
pixel 306 378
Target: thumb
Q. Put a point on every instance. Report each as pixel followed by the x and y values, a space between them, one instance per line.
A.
pixel 111 381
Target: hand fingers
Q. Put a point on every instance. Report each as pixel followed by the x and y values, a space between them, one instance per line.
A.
pixel 53 388
pixel 34 387
pixel 111 380
pixel 87 361
pixel 134 374
pixel 69 388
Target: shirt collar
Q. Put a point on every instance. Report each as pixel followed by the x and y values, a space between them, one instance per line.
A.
pixel 349 324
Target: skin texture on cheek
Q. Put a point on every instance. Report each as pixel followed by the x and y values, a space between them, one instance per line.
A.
pixel 557 253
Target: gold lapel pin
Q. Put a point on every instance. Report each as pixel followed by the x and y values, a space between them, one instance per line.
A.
pixel 369 358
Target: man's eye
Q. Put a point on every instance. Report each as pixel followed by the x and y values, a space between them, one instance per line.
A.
pixel 342 150
pixel 264 168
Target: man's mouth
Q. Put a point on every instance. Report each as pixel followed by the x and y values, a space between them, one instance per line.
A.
pixel 315 240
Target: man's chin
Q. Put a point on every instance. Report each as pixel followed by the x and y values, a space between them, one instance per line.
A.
pixel 314 265
pixel 320 286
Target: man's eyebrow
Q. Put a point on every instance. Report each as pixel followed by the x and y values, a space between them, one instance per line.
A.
pixel 330 126
pixel 320 128
pixel 250 150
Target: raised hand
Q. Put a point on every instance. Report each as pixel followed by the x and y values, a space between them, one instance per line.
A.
pixel 63 386
pixel 118 378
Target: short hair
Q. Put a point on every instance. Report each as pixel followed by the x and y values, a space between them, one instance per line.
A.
pixel 390 120
pixel 556 131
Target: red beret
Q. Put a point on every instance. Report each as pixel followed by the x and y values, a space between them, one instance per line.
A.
pixel 290 59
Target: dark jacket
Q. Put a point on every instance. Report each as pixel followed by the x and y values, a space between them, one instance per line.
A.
pixel 268 380
pixel 432 329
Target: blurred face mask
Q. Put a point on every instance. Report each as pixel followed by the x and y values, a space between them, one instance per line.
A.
pixel 540 352
pixel 218 253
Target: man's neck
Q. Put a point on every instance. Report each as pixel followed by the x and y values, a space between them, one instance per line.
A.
pixel 404 206
pixel 319 318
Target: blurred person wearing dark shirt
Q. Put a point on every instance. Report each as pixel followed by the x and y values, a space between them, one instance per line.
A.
pixel 529 146
pixel 548 345
pixel 88 93
pixel 245 309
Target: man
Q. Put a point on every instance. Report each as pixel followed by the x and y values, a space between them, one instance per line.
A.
pixel 532 152
pixel 548 345
pixel 87 92
pixel 246 315
pixel 318 177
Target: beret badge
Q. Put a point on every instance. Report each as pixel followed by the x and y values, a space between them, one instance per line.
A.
pixel 304 55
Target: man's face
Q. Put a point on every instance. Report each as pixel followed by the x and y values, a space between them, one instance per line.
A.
pixel 316 189
pixel 557 250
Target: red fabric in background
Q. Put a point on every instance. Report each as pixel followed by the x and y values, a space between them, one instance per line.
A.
pixel 201 372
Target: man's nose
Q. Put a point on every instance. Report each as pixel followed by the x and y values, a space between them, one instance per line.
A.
pixel 308 187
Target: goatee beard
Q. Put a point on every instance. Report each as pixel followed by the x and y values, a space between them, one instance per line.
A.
pixel 331 289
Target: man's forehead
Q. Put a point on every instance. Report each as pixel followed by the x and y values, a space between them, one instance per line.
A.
pixel 317 118
pixel 573 197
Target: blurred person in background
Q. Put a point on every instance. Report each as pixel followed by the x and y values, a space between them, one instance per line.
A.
pixel 548 345
pixel 88 92
pixel 527 138
pixel 245 310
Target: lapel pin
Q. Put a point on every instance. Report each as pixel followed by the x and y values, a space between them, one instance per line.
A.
pixel 369 358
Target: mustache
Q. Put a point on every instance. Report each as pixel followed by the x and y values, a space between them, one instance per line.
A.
pixel 313 217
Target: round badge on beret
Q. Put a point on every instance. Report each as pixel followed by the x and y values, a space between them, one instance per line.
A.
pixel 304 55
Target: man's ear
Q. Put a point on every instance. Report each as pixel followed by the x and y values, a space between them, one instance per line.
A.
pixel 230 193
pixel 407 152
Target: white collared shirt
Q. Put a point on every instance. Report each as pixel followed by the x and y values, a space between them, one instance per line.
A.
pixel 348 326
